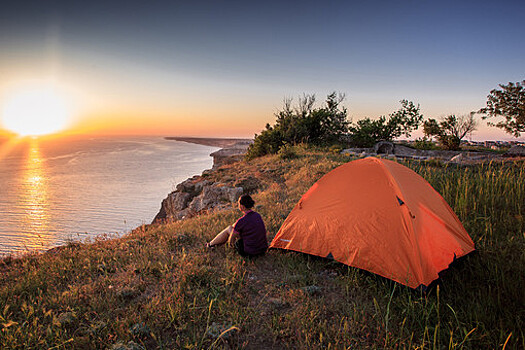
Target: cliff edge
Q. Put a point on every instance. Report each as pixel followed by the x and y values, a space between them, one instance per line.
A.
pixel 200 193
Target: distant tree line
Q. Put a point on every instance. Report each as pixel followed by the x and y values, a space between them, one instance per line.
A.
pixel 329 124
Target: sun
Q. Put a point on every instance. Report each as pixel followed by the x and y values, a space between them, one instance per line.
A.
pixel 35 112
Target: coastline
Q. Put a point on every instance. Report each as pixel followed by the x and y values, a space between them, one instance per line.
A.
pixel 198 193
pixel 210 141
pixel 222 154
pixel 115 211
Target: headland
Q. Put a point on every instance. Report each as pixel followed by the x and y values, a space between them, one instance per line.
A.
pixel 210 141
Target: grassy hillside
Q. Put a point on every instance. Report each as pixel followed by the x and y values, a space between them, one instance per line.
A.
pixel 160 288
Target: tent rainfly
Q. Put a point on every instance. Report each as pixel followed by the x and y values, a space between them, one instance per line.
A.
pixel 379 216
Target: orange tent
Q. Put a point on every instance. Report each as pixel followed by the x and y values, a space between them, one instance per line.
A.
pixel 379 216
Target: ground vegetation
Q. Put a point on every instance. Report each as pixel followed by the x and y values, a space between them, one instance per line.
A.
pixel 159 288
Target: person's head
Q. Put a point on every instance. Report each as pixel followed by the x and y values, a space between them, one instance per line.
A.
pixel 246 201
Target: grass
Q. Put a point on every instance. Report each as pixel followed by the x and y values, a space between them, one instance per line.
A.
pixel 160 288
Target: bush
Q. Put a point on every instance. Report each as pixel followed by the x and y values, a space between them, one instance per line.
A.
pixel 287 152
pixel 268 142
pixel 335 149
pixel 424 144
pixel 303 124
pixel 367 132
pixel 450 130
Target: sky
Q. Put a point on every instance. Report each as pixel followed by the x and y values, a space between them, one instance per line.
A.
pixel 223 68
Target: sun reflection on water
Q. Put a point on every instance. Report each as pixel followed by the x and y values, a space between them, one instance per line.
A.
pixel 34 198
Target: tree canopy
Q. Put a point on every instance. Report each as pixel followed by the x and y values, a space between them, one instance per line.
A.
pixel 367 132
pixel 303 123
pixel 508 102
pixel 450 130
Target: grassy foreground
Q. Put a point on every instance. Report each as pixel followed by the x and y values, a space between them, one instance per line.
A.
pixel 158 288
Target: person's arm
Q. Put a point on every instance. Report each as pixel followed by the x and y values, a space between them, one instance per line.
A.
pixel 233 237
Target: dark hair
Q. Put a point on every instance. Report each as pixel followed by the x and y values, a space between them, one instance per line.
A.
pixel 247 201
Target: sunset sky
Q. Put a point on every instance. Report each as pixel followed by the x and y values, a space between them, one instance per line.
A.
pixel 214 68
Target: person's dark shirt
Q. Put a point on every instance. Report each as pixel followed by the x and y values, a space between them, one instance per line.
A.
pixel 252 232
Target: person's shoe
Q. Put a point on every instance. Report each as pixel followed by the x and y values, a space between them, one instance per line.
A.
pixel 209 246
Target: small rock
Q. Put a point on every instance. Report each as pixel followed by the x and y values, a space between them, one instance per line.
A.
pixel 66 319
pixel 460 158
pixel 119 346
pixel 277 302
pixel 127 294
pixel 328 274
pixel 403 151
pixel 311 290
pixel 216 330
pixel 140 330
pixel 131 345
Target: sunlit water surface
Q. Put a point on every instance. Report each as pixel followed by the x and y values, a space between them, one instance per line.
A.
pixel 52 192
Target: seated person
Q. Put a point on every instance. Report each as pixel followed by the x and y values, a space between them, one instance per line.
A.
pixel 248 234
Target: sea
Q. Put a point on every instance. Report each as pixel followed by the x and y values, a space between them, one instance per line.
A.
pixel 55 191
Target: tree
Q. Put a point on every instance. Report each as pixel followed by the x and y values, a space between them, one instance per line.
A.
pixel 450 130
pixel 367 132
pixel 509 102
pixel 431 128
pixel 303 124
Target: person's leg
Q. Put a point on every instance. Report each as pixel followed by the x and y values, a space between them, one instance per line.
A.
pixel 239 247
pixel 222 237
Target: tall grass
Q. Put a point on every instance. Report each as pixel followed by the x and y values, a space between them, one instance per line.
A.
pixel 160 288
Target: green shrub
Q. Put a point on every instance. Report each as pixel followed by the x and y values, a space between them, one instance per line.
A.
pixel 367 132
pixel 287 152
pixel 303 124
pixel 268 142
pixel 424 144
pixel 335 149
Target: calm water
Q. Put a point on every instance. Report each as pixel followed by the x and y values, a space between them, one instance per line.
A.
pixel 55 191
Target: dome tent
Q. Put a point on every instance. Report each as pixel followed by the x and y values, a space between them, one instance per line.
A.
pixel 379 216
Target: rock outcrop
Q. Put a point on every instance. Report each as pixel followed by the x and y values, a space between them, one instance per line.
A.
pixel 400 151
pixel 194 196
pixel 231 154
pixel 515 151
pixel 384 147
pixel 197 195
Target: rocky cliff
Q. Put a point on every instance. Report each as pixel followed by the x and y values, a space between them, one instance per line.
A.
pixel 194 196
pixel 201 193
pixel 230 154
